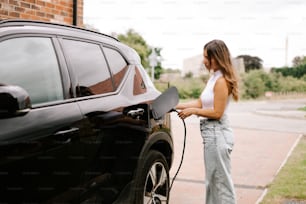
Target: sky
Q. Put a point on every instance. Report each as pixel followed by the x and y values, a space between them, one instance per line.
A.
pixel 273 30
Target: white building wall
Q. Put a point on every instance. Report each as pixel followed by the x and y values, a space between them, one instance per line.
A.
pixel 195 65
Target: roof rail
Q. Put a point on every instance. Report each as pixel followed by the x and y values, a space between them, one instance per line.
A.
pixel 21 22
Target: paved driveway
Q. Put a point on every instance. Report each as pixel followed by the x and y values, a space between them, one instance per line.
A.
pixel 265 133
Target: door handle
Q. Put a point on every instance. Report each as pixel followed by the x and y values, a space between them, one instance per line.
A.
pixel 64 136
pixel 68 131
pixel 136 113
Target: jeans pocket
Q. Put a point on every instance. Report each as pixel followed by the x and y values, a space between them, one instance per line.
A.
pixel 228 137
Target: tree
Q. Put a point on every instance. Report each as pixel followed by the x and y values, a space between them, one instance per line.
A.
pixel 158 70
pixel 254 85
pixel 299 60
pixel 136 41
pixel 297 72
pixel 251 63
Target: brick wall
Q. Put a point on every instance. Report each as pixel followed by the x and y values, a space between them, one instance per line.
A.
pixel 59 11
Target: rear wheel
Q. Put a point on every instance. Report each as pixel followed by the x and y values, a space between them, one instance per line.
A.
pixel 152 180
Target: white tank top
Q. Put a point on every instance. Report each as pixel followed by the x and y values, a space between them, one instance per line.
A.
pixel 207 96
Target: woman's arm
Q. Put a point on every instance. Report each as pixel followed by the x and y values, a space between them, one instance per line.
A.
pixel 191 104
pixel 220 101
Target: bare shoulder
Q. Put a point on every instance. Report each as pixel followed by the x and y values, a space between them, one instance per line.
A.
pixel 221 82
pixel 221 85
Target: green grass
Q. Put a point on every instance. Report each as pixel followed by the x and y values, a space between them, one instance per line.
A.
pixel 302 109
pixel 289 186
pixel 187 87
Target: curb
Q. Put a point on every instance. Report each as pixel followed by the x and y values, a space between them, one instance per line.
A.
pixel 281 166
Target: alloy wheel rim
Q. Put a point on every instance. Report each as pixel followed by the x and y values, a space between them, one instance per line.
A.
pixel 156 187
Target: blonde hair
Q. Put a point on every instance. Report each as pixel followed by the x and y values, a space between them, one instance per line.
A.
pixel 218 50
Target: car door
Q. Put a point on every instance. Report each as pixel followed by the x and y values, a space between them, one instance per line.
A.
pixel 39 153
pixel 100 102
pixel 93 83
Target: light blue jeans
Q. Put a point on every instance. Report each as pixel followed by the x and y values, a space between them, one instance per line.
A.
pixel 218 143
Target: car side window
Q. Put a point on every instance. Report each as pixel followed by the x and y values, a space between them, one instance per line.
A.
pixel 117 64
pixel 90 67
pixel 31 63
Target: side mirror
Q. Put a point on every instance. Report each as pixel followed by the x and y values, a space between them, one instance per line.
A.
pixel 165 102
pixel 14 101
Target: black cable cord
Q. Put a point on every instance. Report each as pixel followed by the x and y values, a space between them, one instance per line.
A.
pixel 183 152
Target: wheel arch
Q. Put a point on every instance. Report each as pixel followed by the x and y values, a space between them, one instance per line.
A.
pixel 160 141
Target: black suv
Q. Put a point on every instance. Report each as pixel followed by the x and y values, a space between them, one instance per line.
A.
pixel 80 120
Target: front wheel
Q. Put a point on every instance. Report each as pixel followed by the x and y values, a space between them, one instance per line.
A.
pixel 152 180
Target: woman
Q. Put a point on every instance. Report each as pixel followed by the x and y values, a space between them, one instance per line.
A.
pixel 215 131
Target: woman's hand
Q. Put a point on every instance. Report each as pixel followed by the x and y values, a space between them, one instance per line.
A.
pixel 187 112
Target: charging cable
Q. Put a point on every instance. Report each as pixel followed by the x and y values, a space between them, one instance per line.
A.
pixel 183 152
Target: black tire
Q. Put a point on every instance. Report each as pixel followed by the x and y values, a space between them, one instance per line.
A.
pixel 152 180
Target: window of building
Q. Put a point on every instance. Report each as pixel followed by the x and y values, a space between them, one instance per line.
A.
pixel 31 63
